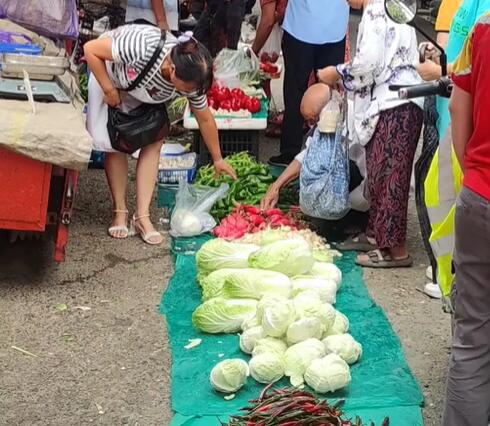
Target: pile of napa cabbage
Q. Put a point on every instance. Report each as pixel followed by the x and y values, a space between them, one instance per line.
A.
pixel 280 298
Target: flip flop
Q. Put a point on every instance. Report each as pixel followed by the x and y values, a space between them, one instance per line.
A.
pixel 383 260
pixel 359 242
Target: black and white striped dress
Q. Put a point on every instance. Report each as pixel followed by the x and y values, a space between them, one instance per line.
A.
pixel 132 48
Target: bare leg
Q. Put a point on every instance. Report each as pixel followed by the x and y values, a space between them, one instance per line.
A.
pixel 116 169
pixel 146 177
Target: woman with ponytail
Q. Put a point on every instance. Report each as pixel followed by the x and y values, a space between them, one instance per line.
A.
pixel 181 67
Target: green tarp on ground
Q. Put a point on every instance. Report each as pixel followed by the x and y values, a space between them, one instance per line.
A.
pixel 382 384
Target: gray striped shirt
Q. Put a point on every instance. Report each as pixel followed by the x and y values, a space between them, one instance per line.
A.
pixel 132 48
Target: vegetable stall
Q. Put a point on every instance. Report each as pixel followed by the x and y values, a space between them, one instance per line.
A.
pixel 267 324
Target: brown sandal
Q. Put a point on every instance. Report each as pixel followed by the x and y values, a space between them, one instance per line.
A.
pixel 382 259
pixel 358 242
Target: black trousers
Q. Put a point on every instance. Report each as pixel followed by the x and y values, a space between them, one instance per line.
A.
pixel 300 59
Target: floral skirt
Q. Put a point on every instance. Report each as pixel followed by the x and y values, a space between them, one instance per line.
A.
pixel 389 160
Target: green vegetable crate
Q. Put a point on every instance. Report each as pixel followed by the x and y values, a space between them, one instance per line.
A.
pixel 231 142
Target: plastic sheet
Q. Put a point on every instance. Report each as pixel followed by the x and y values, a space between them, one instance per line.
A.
pixel 381 382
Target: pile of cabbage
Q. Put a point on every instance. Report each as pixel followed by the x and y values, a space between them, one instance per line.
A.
pixel 280 299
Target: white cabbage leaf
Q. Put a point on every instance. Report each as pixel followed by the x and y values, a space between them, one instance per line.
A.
pixel 250 337
pixel 270 345
pixel 339 326
pixel 327 270
pixel 229 375
pixel 267 367
pixel 328 374
pixel 276 319
pixel 345 346
pixel 303 329
pixel 298 358
pixel 307 304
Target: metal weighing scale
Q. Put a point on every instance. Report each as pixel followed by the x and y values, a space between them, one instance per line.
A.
pixel 43 91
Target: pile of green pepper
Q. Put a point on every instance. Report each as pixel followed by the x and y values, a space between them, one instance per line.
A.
pixel 253 180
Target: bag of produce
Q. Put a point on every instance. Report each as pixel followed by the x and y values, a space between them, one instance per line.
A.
pixel 192 206
pixel 324 177
pixel 236 68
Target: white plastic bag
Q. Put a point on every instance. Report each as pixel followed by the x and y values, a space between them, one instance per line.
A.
pixel 236 68
pixel 272 48
pixel 192 206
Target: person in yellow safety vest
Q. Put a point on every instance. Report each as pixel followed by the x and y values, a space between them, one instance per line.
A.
pixel 443 181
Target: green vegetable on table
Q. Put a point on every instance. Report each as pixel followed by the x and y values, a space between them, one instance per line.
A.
pixel 253 180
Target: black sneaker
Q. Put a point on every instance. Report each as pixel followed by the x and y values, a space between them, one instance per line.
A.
pixel 282 160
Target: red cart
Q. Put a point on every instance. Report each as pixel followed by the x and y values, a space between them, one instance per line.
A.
pixel 36 197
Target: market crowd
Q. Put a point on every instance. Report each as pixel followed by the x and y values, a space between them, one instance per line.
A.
pixel 140 66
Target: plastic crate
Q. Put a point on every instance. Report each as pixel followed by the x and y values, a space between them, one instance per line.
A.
pixel 170 176
pixel 231 142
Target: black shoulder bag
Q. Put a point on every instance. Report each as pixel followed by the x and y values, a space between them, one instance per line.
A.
pixel 143 125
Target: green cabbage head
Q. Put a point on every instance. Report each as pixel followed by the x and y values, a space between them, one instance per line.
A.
pixel 298 358
pixel 270 345
pixel 254 284
pixel 229 375
pixel 267 367
pixel 328 374
pixel 345 346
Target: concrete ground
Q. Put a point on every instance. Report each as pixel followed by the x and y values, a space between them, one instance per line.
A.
pixel 98 350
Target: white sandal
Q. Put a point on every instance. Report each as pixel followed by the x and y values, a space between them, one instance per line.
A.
pixel 120 228
pixel 134 230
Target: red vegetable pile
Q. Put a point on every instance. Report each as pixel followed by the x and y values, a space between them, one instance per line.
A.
pixel 249 219
pixel 232 100
pixel 293 407
pixel 268 68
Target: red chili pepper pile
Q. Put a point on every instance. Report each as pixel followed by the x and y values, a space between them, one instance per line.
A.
pixel 249 219
pixel 292 407
pixel 232 100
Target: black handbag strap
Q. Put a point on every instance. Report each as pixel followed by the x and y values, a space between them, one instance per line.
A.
pixel 136 82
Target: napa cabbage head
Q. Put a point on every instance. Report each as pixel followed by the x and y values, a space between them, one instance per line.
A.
pixel 345 346
pixel 220 254
pixel 291 257
pixel 327 270
pixel 324 287
pixel 298 358
pixel 250 337
pixel 328 374
pixel 270 345
pixel 221 315
pixel 212 284
pixel 267 367
pixel 252 322
pixel 254 284
pixel 229 376
pixel 303 329
pixel 308 304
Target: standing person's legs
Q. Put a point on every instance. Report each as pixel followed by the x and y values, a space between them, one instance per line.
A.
pixel 468 387
pixel 146 177
pixel 329 54
pixel 298 64
pixel 234 18
pixel 116 169
pixel 390 156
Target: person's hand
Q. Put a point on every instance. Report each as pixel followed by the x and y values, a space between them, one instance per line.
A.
pixel 328 75
pixel 221 167
pixel 429 70
pixel 428 51
pixel 112 98
pixel 271 198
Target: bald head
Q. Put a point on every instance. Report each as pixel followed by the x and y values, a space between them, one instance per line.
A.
pixel 314 100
